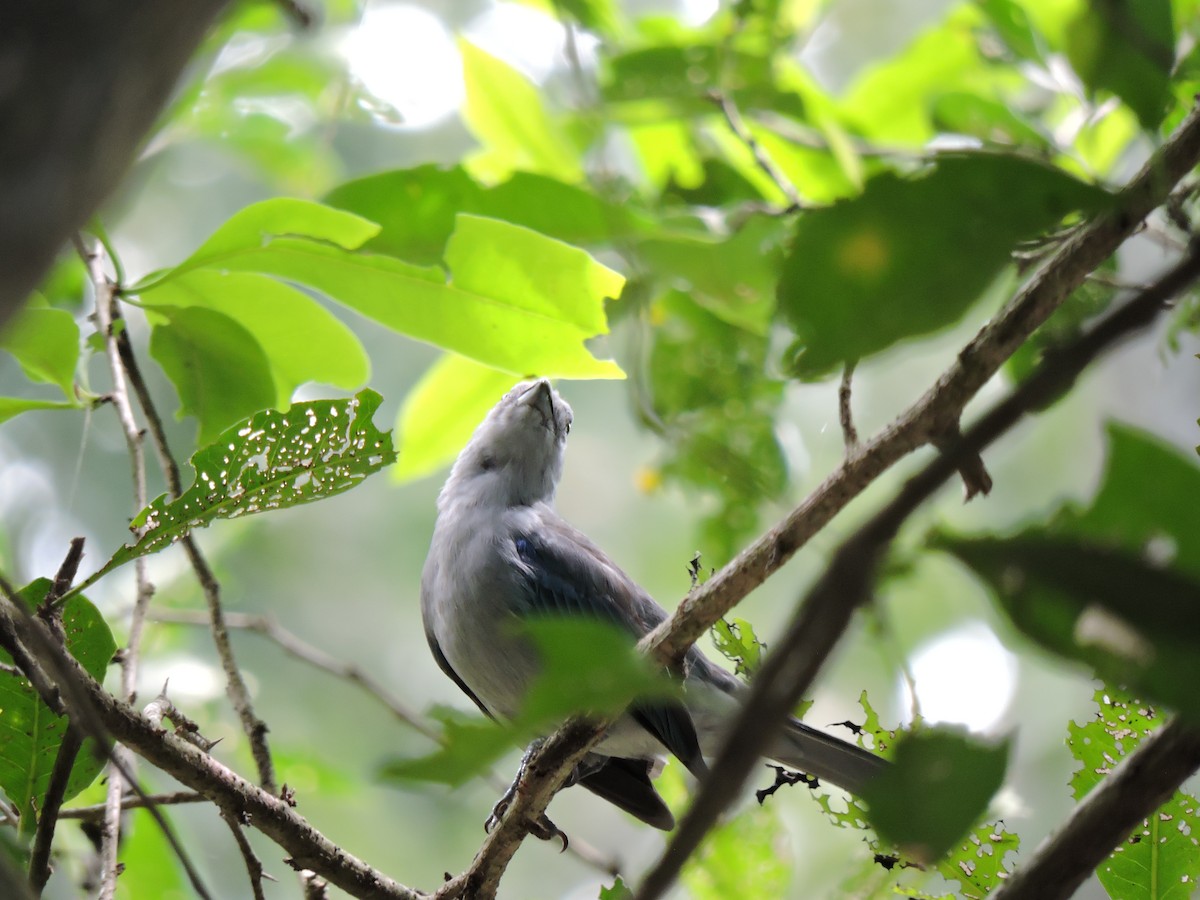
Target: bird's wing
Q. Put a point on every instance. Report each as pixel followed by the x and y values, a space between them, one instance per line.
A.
pixel 626 783
pixel 444 664
pixel 563 573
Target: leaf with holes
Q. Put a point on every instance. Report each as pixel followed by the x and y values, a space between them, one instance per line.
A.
pixel 30 734
pixel 1165 849
pixel 270 461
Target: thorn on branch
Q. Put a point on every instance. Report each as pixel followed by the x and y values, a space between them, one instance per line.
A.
pixel 971 469
pixel 161 708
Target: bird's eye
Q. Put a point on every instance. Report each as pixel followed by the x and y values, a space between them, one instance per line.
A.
pixel 567 428
pixel 487 462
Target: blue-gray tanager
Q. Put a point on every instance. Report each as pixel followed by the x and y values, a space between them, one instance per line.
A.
pixel 500 553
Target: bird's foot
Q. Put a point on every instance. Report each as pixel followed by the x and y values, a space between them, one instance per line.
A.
pixel 541 828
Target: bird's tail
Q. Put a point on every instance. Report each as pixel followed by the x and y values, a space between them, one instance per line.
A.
pixel 828 758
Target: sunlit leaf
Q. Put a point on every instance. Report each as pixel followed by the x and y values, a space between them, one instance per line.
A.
pixel 505 111
pixel 30 734
pixel 14 406
pixel 46 344
pixel 937 788
pixel 981 863
pixel 859 276
pixel 470 744
pixel 441 412
pixel 273 460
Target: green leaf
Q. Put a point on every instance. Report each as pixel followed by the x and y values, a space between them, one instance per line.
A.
pixel 587 666
pixel 860 275
pixel 1127 47
pixel 1146 501
pixel 255 227
pixel 150 866
pixel 938 786
pixel 14 406
pixel 273 460
pixel 416 209
pixel 737 642
pixel 46 344
pixel 504 110
pixel 980 864
pixel 442 411
pixel 30 734
pixel 1162 856
pixel 1012 24
pixel 524 270
pixel 301 340
pixel 618 891
pixel 1135 623
pixel 745 856
pixel 470 744
pixel 219 369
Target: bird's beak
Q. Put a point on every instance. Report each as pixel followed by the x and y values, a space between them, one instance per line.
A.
pixel 540 396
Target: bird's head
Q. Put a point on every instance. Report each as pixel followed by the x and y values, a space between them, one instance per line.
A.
pixel 515 457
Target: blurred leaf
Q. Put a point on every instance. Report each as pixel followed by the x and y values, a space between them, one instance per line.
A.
pixel 744 856
pixel 30 734
pixel 989 120
pixel 14 406
pixel 587 666
pixel 1085 303
pixel 1135 623
pixel 732 277
pixel 150 866
pixel 470 744
pixel 618 891
pixel 46 344
pixel 1145 502
pixel 505 111
pixel 442 411
pixel 273 460
pixel 938 786
pixel 1012 24
pixel 219 370
pixel 416 209
pixel 1162 856
pixel 301 340
pixel 1127 47
pixel 858 275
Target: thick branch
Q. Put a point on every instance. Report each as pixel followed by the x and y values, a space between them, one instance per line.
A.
pixel 937 412
pixel 825 614
pixel 193 768
pixel 83 84
pixel 1140 784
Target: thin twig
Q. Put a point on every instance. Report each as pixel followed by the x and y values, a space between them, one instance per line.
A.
pixel 738 126
pixel 132 801
pixel 106 315
pixel 269 628
pixel 825 614
pixel 66 573
pixel 43 839
pixel 239 695
pixel 846 412
pixel 1103 819
pixel 65 686
pixel 253 864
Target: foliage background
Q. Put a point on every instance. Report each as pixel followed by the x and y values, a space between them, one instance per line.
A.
pixel 280 113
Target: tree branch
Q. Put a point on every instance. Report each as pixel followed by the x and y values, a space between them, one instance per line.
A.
pixel 83 86
pixel 934 416
pixel 937 412
pixel 825 614
pixel 1103 819
pixel 197 770
pixel 43 839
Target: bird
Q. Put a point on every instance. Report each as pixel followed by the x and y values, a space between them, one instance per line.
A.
pixel 500 554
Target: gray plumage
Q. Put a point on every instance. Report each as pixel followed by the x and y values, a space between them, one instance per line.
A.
pixel 500 552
